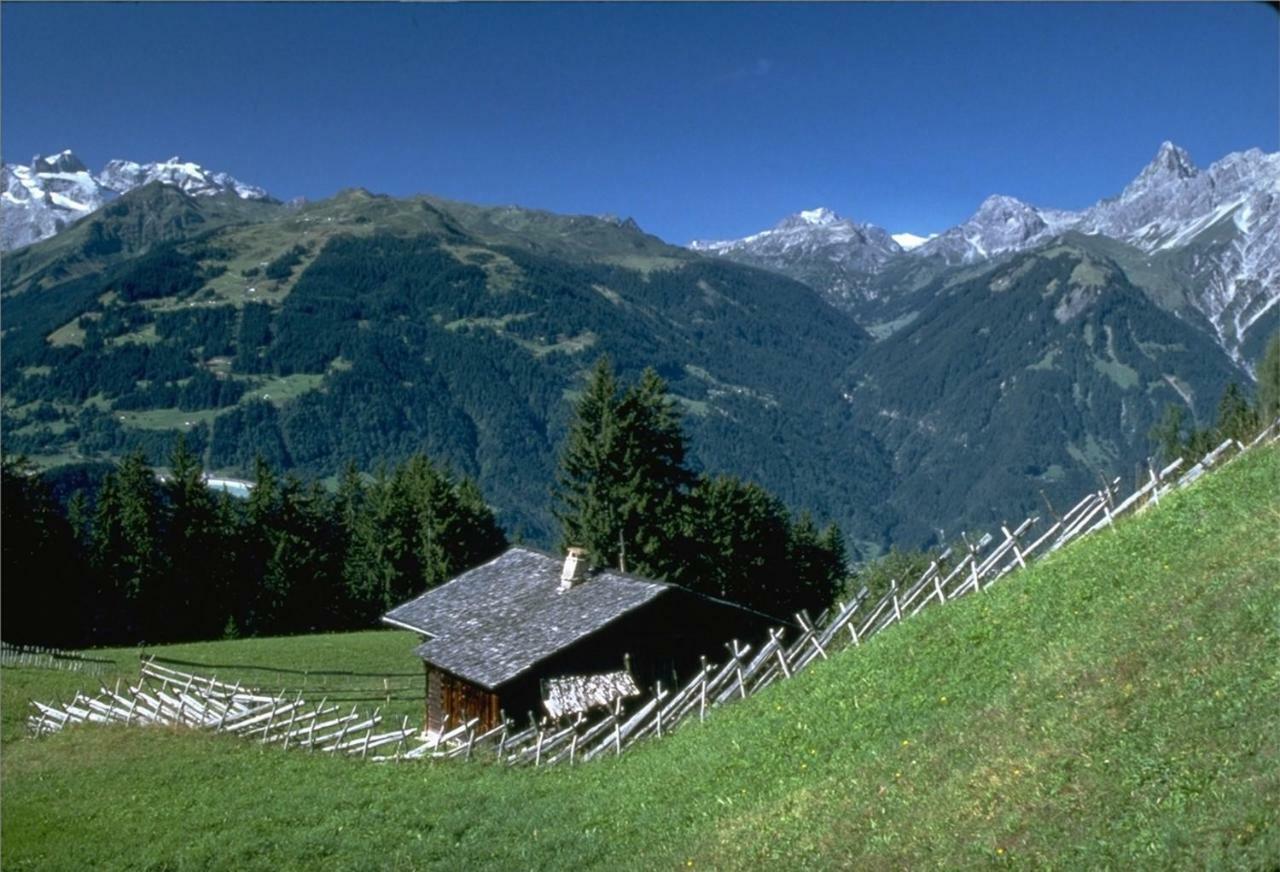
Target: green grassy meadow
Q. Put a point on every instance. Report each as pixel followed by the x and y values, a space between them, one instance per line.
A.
pixel 1117 705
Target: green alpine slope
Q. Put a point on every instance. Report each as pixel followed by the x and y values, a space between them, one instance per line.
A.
pixel 1118 705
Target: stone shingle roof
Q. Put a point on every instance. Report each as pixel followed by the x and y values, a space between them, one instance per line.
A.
pixel 494 622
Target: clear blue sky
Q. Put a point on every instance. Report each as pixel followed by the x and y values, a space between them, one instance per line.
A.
pixel 697 120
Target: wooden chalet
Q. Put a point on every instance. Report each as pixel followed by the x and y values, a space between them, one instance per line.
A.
pixel 496 637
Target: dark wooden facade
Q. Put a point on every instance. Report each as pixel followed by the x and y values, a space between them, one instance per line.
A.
pixel 459 699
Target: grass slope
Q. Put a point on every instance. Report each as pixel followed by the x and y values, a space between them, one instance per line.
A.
pixel 1118 704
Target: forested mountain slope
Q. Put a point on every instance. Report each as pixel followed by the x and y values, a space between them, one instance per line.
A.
pixel 1042 374
pixel 366 328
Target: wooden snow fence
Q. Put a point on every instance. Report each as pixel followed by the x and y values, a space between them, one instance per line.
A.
pixel 168 697
pixel 41 657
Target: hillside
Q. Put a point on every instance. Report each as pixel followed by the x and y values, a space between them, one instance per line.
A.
pixel 1114 705
pixel 364 328
pixel 1044 373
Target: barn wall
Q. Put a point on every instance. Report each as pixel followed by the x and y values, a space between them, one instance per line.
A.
pixel 665 640
pixel 434 701
pixel 458 700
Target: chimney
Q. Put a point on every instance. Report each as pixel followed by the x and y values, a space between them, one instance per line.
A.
pixel 575 568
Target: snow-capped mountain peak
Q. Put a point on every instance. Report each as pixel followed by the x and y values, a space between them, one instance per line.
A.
pixel 41 199
pixel 817 246
pixel 56 190
pixel 1220 226
pixel 808 231
pixel 1002 223
pixel 124 175
pixel 1229 214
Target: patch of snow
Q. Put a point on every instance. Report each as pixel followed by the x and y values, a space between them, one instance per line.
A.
pixel 822 216
pixel 909 241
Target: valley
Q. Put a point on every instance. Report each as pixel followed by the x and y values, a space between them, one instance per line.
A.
pixel 916 394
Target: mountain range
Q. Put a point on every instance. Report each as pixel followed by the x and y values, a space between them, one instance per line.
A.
pixel 1203 243
pixel 1005 365
pixel 54 192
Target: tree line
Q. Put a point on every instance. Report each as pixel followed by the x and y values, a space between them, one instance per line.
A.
pixel 159 560
pixel 163 558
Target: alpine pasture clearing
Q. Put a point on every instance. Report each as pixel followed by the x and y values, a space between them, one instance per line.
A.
pixel 1116 704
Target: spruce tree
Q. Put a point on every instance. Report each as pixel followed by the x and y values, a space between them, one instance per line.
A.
pixel 737 545
pixel 190 594
pixel 590 476
pixel 655 481
pixel 623 480
pixel 127 550
pixel 377 550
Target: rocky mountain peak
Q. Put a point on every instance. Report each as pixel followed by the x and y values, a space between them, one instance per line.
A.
pixel 819 217
pixel 1004 207
pixel 64 161
pixel 1170 162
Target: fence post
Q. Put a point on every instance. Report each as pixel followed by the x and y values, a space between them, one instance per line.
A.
pixel 404 731
pixel 737 658
pixel 617 726
pixel 1017 552
pixel 778 651
pixel 702 692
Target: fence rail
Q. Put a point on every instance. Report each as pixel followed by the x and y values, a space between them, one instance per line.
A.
pixel 39 657
pixel 165 695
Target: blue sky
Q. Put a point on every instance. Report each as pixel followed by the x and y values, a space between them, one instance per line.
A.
pixel 701 121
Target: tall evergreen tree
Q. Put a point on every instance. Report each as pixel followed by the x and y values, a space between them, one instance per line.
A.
pixel 816 564
pixel 623 480
pixel 589 480
pixel 654 479
pixel 377 552
pixel 127 551
pixel 737 545
pixel 195 551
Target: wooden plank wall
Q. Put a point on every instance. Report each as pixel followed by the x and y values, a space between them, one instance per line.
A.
pixel 462 701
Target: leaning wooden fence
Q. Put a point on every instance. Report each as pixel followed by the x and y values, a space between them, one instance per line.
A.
pixel 40 657
pixel 166 696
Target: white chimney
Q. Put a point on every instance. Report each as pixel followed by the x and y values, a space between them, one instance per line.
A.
pixel 575 568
